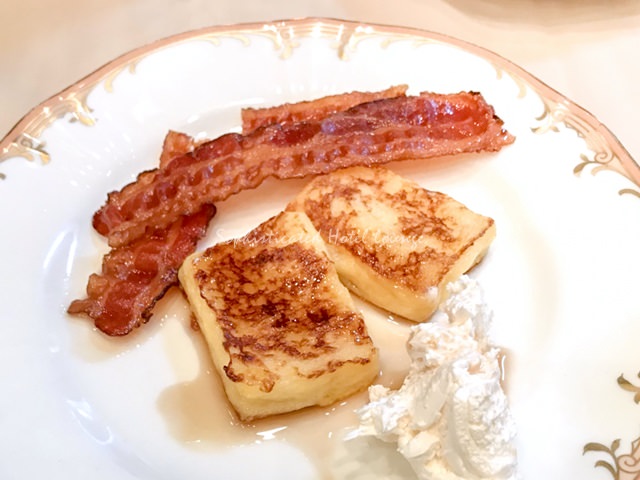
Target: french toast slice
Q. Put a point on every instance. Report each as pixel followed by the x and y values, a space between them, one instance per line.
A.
pixel 281 329
pixel 394 243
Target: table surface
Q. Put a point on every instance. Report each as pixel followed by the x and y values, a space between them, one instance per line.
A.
pixel 588 50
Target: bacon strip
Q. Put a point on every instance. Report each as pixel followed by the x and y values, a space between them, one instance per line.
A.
pixel 174 145
pixel 414 127
pixel 135 276
pixel 254 118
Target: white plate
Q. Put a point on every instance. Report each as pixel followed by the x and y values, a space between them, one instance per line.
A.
pixel 561 276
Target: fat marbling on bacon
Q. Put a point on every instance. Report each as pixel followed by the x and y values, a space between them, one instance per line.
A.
pixel 135 276
pixel 254 118
pixel 174 145
pixel 371 133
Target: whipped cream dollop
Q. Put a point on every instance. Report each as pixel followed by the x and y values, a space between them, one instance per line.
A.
pixel 450 419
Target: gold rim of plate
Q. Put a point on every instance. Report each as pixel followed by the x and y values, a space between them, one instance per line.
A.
pixel 23 140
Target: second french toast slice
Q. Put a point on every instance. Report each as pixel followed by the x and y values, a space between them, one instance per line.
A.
pixel 394 243
pixel 281 329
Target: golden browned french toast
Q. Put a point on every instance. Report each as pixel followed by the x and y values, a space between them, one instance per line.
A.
pixel 282 330
pixel 394 243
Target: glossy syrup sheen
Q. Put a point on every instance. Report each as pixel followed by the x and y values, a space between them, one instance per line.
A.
pixel 199 416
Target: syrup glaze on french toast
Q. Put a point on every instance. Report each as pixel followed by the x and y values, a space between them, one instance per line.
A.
pixel 394 243
pixel 281 329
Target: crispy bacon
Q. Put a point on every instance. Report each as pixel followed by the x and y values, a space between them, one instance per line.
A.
pixel 405 127
pixel 155 222
pixel 254 118
pixel 174 145
pixel 135 276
